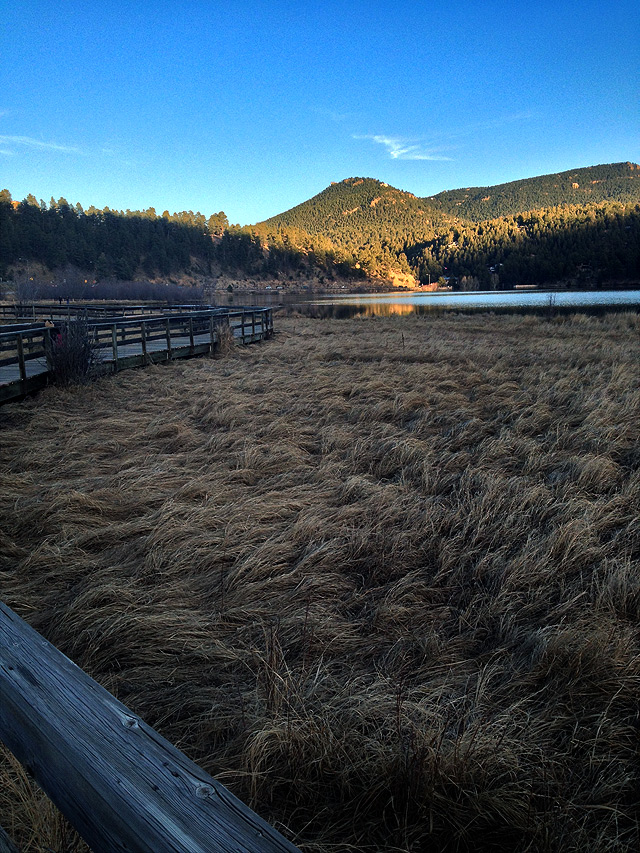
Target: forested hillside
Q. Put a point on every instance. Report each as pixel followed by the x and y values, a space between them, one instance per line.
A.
pixel 364 220
pixel 110 244
pixel 383 228
pixel 585 245
pixel 591 185
pixel 360 228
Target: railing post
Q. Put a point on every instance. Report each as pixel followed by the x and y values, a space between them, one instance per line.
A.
pixel 191 341
pixel 212 341
pixel 169 352
pixel 21 365
pixel 114 346
pixel 143 338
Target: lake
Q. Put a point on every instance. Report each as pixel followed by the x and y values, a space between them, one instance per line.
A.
pixel 383 304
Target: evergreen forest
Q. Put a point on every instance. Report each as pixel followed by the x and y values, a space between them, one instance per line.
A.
pixel 579 228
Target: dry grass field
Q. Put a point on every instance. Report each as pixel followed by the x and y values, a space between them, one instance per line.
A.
pixel 378 576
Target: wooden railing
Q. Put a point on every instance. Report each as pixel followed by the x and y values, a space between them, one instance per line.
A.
pixel 121 784
pixel 122 342
pixel 71 310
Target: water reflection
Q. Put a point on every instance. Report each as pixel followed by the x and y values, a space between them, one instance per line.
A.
pixel 387 304
pixel 344 305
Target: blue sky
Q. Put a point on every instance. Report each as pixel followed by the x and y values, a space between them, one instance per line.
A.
pixel 253 107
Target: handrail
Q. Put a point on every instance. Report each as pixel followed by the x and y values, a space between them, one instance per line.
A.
pixel 73 310
pixel 120 783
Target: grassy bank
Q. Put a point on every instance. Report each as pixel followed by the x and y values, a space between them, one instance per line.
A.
pixel 380 577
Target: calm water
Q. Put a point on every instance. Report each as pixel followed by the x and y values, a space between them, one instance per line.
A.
pixel 383 304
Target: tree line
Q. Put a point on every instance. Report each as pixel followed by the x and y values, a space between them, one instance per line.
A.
pixel 581 244
pixel 358 228
pixel 110 244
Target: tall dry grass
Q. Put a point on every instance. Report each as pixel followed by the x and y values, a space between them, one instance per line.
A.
pixel 380 577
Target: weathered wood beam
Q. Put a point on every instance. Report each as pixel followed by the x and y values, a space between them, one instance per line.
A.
pixel 121 784
pixel 6 844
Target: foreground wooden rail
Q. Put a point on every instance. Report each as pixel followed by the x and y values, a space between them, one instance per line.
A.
pixel 123 342
pixel 122 785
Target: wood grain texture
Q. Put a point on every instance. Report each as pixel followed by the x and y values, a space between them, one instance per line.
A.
pixel 6 844
pixel 122 785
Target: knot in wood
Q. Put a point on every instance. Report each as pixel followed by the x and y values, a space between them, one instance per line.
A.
pixel 130 723
pixel 204 791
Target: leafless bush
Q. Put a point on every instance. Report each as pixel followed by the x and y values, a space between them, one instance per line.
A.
pixel 550 305
pixel 225 339
pixel 72 353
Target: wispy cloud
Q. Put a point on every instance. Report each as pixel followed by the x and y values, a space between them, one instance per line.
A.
pixel 6 152
pixel 500 121
pixel 439 141
pixel 334 115
pixel 37 144
pixel 399 148
pixel 461 131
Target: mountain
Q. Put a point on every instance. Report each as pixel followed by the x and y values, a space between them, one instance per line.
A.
pixel 590 185
pixel 362 206
pixel 363 221
pixel 582 226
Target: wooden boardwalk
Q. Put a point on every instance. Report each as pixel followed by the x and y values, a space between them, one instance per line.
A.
pixel 121 342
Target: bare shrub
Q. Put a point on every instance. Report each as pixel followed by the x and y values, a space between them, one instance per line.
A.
pixel 72 353
pixel 226 341
pixel 550 305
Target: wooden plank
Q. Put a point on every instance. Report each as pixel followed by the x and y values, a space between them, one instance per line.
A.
pixel 122 785
pixel 6 362
pixel 6 844
pixel 14 390
pixel 160 356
